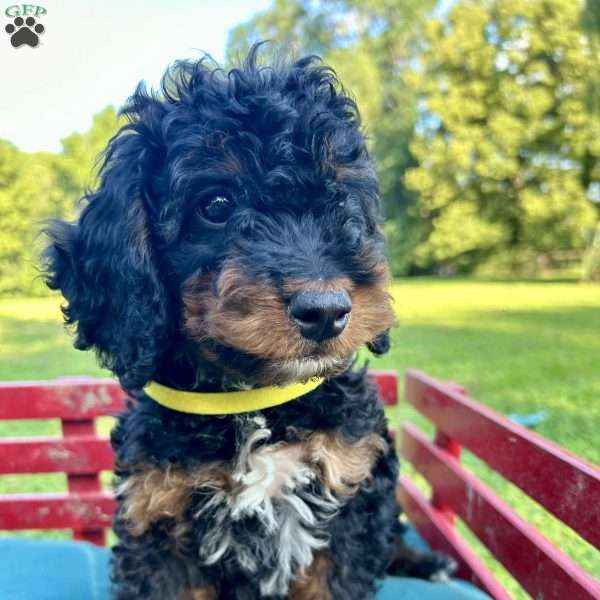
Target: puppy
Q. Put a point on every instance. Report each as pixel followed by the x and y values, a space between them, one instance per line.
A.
pixel 226 270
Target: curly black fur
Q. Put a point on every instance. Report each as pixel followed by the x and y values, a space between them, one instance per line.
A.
pixel 285 143
pixel 139 236
pixel 362 534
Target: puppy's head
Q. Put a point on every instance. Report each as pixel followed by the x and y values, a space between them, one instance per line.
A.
pixel 237 215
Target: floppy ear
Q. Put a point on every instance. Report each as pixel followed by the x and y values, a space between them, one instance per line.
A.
pixel 381 344
pixel 104 264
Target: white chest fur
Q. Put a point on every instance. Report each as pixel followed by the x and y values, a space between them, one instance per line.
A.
pixel 276 487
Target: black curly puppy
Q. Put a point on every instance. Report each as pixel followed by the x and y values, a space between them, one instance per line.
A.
pixel 232 250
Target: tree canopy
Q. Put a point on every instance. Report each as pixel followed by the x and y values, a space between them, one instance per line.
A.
pixel 38 186
pixel 507 144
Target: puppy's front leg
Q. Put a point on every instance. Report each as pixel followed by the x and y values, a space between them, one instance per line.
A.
pixel 313 584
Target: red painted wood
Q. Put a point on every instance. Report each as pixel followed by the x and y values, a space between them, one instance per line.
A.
pixel 72 398
pixel 56 511
pixel 563 483
pixel 542 569
pixel 94 536
pixel 452 447
pixel 80 454
pixel 387 383
pixel 441 536
pixel 77 454
pixel 83 482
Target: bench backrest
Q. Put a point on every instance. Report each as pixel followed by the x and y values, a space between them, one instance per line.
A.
pixel 565 485
pixel 80 453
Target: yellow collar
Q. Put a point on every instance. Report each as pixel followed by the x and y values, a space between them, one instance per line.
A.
pixel 228 403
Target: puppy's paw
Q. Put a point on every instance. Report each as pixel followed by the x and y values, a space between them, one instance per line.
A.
pixel 431 566
pixel 438 567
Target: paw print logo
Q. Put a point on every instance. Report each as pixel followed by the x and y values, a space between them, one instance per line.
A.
pixel 24 32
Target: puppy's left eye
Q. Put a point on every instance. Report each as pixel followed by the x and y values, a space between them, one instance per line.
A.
pixel 217 209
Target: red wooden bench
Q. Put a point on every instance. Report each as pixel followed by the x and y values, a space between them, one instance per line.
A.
pixel 565 485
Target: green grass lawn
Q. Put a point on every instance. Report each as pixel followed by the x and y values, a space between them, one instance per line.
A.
pixel 517 347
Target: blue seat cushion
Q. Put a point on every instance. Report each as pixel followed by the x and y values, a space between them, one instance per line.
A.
pixel 65 570
pixel 53 570
pixel 401 588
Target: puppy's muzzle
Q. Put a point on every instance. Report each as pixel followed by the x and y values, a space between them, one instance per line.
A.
pixel 320 315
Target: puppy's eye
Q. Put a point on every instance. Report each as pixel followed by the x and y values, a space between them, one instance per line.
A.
pixel 217 209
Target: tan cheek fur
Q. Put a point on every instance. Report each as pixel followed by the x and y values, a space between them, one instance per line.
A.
pixel 251 316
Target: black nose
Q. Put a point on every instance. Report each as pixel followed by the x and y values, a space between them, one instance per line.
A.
pixel 321 315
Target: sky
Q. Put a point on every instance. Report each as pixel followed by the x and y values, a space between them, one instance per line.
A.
pixel 94 52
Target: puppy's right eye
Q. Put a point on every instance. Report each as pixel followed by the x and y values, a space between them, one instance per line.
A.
pixel 217 209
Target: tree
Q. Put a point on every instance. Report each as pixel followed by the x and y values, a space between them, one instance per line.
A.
pixel 38 186
pixel 591 259
pixel 507 144
pixel 81 153
pixel 28 193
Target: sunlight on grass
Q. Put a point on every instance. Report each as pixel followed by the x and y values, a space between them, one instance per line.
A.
pixel 32 309
pixel 35 344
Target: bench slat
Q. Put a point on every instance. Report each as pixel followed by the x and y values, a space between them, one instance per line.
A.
pixel 86 397
pixel 434 527
pixel 76 454
pixel 542 569
pixel 564 484
pixel 56 511
pixel 69 398
pixel 387 383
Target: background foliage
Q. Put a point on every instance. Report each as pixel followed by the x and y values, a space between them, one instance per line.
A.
pixel 37 186
pixel 483 117
pixel 509 141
